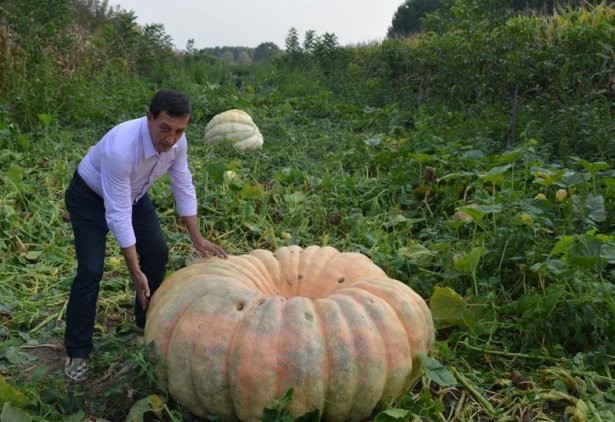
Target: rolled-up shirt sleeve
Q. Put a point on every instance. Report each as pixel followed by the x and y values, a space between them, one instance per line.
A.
pixel 181 182
pixel 115 178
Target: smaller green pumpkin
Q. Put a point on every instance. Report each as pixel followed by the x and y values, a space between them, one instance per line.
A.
pixel 235 127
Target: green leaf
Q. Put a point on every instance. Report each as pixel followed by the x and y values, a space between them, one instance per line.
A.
pixel 249 191
pixel 447 306
pixel 509 157
pixel 17 357
pixel 436 372
pixel 45 118
pixel 474 212
pixel 562 245
pixel 585 253
pixel 458 175
pixel 595 167
pixel 15 174
pixel 11 413
pixel 277 411
pixel 496 174
pixel 607 252
pixel 313 416
pixel 215 172
pixel 391 415
pixel 490 209
pixel 418 253
pixel 497 170
pixel 146 406
pixel 420 158
pixel 610 187
pixel 595 207
pixel 22 141
pixel 234 165
pixel 556 267
pixel 9 394
pixel 287 397
pixel 75 417
pixel 571 178
pixel 468 263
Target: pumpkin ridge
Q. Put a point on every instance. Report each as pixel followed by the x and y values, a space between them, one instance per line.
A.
pixel 303 355
pixel 325 308
pixel 419 342
pixel 171 314
pixel 273 268
pixel 222 310
pixel 313 261
pixel 289 258
pixel 397 349
pixel 368 355
pixel 253 274
pixel 248 393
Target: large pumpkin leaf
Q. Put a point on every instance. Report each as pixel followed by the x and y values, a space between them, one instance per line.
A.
pixel 595 208
pixel 607 252
pixel 417 253
pixel 448 308
pixel 9 394
pixel 468 262
pixel 391 415
pixel 595 167
pixel 12 413
pixel 437 372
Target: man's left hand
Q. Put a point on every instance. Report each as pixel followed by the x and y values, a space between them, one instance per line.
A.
pixel 206 248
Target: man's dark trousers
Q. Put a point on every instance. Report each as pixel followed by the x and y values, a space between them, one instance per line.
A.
pixel 87 214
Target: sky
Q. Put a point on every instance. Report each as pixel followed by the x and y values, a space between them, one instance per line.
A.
pixel 248 23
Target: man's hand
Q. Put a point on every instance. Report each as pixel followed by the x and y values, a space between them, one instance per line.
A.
pixel 202 245
pixel 206 248
pixel 139 281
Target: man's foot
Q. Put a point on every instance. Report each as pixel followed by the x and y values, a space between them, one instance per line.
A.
pixel 137 328
pixel 76 369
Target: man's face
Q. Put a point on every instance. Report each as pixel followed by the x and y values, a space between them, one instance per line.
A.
pixel 165 130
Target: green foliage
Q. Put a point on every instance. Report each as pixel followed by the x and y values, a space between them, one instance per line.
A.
pixel 278 412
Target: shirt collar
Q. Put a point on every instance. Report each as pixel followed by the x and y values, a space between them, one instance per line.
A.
pixel 146 140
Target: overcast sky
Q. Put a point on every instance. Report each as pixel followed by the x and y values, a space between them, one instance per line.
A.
pixel 247 23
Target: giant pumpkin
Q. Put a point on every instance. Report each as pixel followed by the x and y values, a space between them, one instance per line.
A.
pixel 234 335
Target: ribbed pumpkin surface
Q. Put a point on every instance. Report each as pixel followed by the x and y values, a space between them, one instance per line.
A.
pixel 236 334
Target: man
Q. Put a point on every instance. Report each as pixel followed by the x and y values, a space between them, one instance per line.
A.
pixel 109 193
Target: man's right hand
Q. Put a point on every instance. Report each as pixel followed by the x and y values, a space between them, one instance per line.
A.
pixel 139 280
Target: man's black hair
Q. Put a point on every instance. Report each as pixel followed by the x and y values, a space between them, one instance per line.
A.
pixel 173 102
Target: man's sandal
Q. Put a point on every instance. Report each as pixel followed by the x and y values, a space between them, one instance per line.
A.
pixel 76 369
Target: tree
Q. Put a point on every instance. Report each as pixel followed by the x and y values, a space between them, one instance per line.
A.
pixel 293 47
pixel 190 48
pixel 310 40
pixel 244 57
pixel 228 56
pixel 407 19
pixel 265 52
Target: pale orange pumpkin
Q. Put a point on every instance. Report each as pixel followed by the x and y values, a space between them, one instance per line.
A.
pixel 236 334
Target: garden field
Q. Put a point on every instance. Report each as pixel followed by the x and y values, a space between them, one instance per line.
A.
pixel 509 236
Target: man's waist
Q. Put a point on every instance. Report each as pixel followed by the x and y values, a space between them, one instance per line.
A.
pixel 78 180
